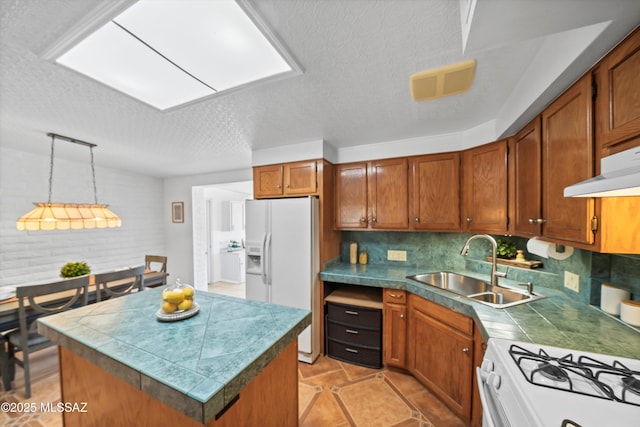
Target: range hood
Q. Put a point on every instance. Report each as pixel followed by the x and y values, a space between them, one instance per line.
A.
pixel 619 176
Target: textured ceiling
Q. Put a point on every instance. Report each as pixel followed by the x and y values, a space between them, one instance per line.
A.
pixel 357 57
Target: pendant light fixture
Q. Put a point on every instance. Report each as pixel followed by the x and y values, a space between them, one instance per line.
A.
pixel 68 216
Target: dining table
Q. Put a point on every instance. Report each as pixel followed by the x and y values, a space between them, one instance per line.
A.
pixel 9 306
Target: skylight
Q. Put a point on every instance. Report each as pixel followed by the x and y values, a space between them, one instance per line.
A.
pixel 170 52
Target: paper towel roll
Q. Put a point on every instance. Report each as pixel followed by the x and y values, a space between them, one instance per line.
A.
pixel 547 250
pixel 538 247
pixel 553 253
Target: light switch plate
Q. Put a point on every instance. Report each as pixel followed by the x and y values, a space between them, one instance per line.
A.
pixel 396 255
pixel 572 281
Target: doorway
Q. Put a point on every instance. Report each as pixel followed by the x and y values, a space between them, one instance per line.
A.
pixel 218 236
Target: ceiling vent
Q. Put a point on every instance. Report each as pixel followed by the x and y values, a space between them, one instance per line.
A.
pixel 444 81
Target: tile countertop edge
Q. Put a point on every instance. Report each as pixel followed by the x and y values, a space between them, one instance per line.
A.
pixel 185 402
pixel 574 327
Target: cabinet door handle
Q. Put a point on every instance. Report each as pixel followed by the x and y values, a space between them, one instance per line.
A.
pixel 465 350
pixel 402 316
pixel 363 219
pixel 353 313
pixel 537 221
pixel 351 331
pixel 287 185
pixel 374 220
pixel 351 350
pixel 469 219
pixel 417 219
pixel 278 186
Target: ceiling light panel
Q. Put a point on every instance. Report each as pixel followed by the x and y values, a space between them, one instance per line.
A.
pixel 117 59
pixel 170 52
pixel 215 41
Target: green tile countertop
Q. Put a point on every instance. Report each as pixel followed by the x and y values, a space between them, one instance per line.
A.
pixel 196 365
pixel 557 320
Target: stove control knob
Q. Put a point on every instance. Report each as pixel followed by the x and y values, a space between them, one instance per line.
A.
pixel 494 380
pixel 487 365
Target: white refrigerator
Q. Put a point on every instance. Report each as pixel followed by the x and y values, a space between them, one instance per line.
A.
pixel 283 259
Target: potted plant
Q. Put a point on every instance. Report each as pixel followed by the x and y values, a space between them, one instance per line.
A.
pixel 74 269
pixel 506 249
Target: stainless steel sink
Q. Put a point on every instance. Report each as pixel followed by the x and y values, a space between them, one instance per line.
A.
pixel 476 289
pixel 457 283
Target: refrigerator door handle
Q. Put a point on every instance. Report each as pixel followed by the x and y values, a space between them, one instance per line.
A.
pixel 267 268
pixel 263 259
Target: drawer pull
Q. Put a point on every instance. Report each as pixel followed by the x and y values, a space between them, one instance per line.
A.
pixel 395 296
pixel 537 221
pixel 351 350
pixel 353 313
pixel 465 350
pixel 351 331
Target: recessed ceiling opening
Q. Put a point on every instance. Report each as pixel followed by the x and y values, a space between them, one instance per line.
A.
pixel 172 52
pixel 443 81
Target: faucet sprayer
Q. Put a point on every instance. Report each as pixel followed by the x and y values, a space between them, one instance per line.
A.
pixel 494 248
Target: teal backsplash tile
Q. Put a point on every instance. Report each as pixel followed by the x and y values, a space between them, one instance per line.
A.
pixel 423 249
pixel 442 251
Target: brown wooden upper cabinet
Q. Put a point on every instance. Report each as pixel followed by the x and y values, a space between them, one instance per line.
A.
pixel 526 155
pixel 288 179
pixel 618 101
pixel 351 195
pixel 484 188
pixel 567 158
pixel 435 192
pixel 372 195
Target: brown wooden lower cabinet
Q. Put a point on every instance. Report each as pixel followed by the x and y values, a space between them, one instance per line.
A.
pixel 394 328
pixel 479 347
pixel 441 353
pixel 270 399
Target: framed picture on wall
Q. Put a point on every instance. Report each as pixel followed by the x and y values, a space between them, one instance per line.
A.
pixel 177 212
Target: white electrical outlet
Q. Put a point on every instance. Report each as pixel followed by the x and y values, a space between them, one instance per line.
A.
pixel 396 255
pixel 572 281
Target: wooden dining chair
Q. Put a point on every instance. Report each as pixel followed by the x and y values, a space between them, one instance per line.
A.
pixel 118 283
pixel 155 259
pixel 35 301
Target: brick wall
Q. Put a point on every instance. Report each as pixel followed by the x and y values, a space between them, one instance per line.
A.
pixel 34 256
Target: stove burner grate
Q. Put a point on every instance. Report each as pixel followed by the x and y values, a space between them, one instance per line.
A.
pixel 631 384
pixel 552 372
pixel 561 370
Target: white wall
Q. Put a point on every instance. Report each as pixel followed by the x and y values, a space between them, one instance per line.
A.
pixel 28 256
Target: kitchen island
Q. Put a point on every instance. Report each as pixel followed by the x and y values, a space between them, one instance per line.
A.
pixel 233 363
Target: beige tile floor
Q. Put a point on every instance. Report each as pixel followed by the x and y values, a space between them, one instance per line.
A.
pixel 331 393
pixel 226 288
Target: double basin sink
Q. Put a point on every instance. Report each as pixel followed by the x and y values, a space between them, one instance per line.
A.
pixel 476 289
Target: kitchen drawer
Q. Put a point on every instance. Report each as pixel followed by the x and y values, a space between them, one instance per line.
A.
pixel 353 334
pixel 355 315
pixel 395 296
pixel 443 314
pixel 363 356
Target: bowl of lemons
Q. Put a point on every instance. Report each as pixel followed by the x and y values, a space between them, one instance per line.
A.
pixel 177 302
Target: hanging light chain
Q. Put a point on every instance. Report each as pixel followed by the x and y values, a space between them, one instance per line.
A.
pixel 75 141
pixel 53 139
pixel 93 173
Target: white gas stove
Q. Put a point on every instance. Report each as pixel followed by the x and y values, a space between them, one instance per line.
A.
pixel 528 385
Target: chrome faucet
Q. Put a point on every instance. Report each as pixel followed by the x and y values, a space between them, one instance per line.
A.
pixel 495 274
